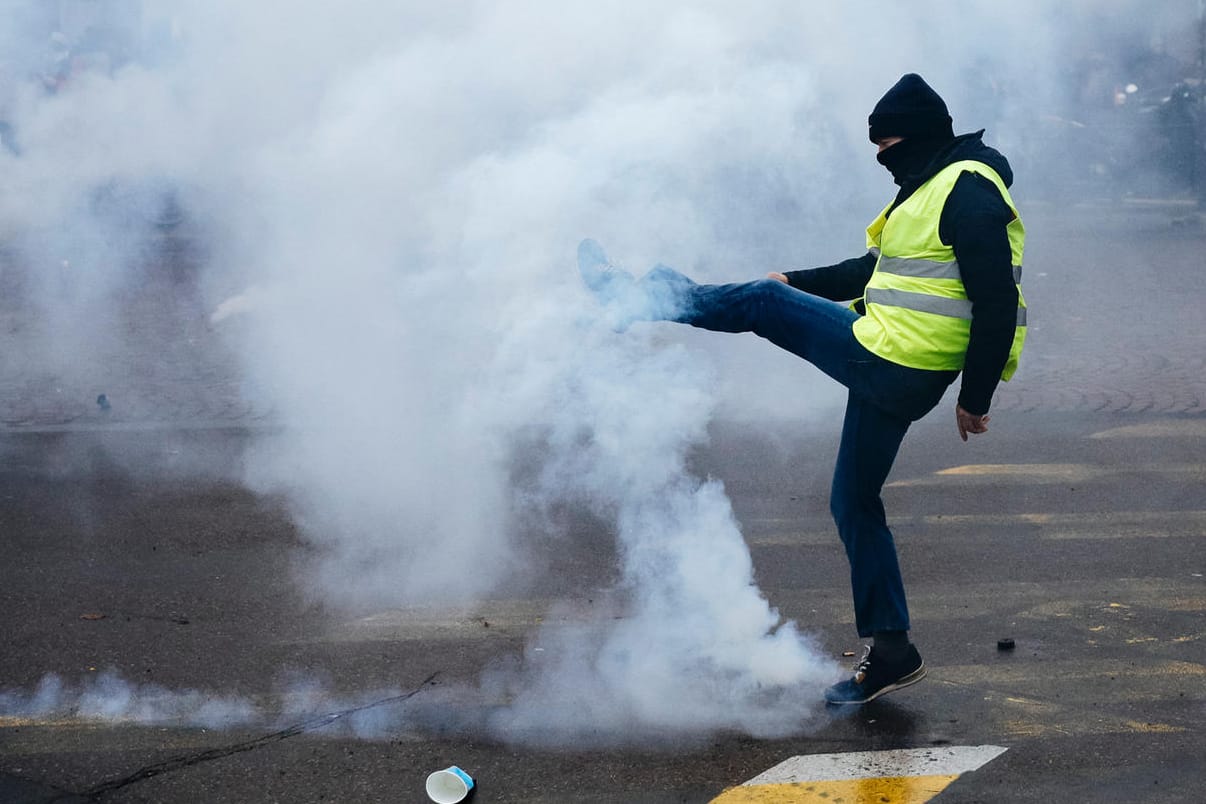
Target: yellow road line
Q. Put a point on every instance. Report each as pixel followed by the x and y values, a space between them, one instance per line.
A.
pixel 902 776
pixel 1070 670
pixel 809 531
pixel 1044 473
pixel 895 790
pixel 1087 518
pixel 1172 428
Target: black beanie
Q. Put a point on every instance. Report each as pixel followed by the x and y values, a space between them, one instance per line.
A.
pixel 911 108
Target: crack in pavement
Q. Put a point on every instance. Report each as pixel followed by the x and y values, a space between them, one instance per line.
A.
pixel 99 791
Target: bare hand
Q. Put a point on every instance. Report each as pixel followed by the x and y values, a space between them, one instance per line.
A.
pixel 778 276
pixel 970 422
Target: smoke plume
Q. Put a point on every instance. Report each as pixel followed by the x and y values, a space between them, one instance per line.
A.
pixel 390 195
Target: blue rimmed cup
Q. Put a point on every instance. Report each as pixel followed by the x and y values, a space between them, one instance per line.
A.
pixel 449 786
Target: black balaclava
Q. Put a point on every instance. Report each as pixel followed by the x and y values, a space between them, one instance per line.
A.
pixel 913 110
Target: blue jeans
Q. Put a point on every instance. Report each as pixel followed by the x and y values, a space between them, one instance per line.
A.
pixel 884 399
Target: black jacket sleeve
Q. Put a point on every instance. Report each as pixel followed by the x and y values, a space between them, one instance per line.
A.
pixel 973 223
pixel 843 281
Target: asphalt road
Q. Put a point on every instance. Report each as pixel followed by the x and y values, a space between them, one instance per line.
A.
pixel 1074 528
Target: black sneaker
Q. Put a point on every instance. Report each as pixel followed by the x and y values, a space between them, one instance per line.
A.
pixel 874 677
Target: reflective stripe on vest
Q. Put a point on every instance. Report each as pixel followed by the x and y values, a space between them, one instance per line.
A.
pixel 930 269
pixel 916 310
pixel 925 303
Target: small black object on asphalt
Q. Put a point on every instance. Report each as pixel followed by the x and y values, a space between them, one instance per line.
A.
pixel 1005 644
pixel 102 401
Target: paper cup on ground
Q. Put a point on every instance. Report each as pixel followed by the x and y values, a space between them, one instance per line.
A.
pixel 449 786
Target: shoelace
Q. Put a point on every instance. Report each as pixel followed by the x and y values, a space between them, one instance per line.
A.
pixel 864 663
pixel 863 666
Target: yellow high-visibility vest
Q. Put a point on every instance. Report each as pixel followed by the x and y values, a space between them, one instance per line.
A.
pixel 917 310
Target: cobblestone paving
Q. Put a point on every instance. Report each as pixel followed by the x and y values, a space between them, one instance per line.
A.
pixel 1116 296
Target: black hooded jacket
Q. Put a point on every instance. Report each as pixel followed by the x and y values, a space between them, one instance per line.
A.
pixel 973 223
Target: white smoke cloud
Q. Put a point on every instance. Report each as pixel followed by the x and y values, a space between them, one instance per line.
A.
pixel 391 195
pixel 109 698
pixel 296 704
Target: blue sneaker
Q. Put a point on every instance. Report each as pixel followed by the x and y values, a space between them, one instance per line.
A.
pixel 874 677
pixel 606 281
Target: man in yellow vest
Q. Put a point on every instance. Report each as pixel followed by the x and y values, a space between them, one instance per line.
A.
pixel 936 294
